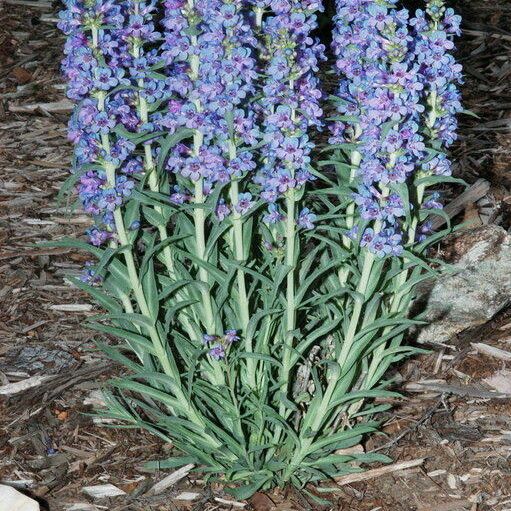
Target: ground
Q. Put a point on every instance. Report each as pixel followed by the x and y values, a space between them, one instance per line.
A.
pixel 51 449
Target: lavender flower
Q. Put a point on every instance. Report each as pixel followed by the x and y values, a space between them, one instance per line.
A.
pixel 217 352
pixel 95 62
pixel 290 102
pixel 392 68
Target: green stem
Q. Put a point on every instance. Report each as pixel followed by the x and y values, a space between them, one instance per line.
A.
pixel 290 262
pixel 243 302
pixel 396 302
pixel 200 241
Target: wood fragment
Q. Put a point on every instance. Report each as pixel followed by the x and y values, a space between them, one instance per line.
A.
pixel 459 390
pixel 470 196
pixel 436 473
pixel 72 307
pixel 491 351
pixel 15 388
pixel 377 472
pixel 500 381
pixel 102 491
pixel 231 503
pixel 187 496
pixel 56 107
pixel 84 506
pixel 170 480
pixel 32 4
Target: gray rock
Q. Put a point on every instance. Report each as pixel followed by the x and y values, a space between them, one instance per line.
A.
pixel 480 287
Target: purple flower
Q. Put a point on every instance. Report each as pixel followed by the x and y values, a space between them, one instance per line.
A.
pixel 217 352
pixel 306 219
pixel 396 75
pixel 231 336
pixel 245 203
pixel 98 237
pixel 222 210
pixel 207 338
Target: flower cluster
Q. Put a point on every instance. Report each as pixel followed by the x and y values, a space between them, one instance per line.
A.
pixel 98 67
pixel 290 102
pixel 390 64
pixel 218 345
pixel 212 78
pixel 440 74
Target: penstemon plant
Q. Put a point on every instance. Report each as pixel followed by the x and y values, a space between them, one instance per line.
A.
pixel 260 289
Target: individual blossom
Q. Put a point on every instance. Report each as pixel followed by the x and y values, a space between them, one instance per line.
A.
pixel 89 274
pixel 306 219
pixel 217 352
pixel 231 336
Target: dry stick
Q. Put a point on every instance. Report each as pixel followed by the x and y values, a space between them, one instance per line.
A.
pixel 377 472
pixel 477 191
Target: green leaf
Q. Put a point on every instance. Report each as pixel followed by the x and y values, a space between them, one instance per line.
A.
pixel 246 491
pixel 141 341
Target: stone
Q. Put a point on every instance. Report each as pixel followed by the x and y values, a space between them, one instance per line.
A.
pixel 12 500
pixel 479 288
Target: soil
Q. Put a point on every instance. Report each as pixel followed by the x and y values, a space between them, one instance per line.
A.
pixel 51 449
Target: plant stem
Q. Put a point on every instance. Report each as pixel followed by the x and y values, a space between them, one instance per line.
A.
pixel 153 181
pixel 200 241
pixel 333 381
pixel 165 359
pixel 355 159
pixel 243 301
pixel 290 262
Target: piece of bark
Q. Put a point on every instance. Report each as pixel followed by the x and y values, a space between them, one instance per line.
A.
pixel 187 496
pixel 261 502
pixel 46 6
pixel 470 196
pixel 103 491
pixel 377 472
pixel 459 390
pixel 231 503
pixel 500 381
pixel 15 388
pixel 57 107
pixel 491 351
pixel 170 480
pixel 72 307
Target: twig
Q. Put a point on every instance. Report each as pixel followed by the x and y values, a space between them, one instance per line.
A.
pixel 425 417
pixel 491 351
pixel 377 472
pixel 170 480
pixel 470 196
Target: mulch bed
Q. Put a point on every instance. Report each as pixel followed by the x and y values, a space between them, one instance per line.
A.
pixel 51 448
